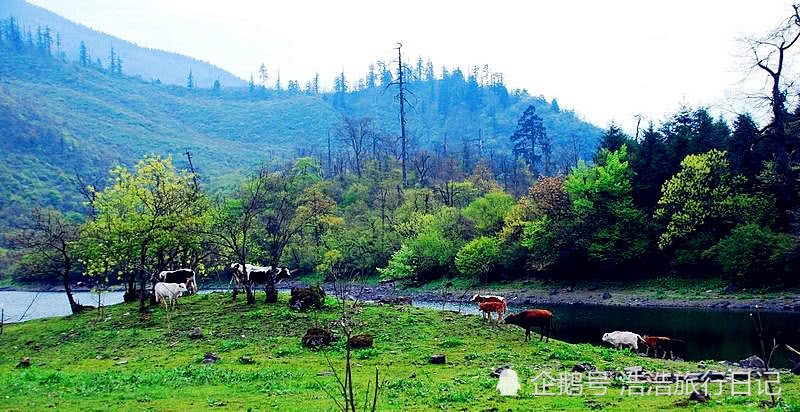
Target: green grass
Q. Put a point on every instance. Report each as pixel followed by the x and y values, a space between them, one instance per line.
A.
pixel 76 366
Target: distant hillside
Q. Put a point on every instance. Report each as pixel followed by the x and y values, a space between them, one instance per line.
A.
pixel 170 68
pixel 58 117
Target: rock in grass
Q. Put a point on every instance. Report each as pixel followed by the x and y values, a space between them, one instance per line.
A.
pixel 210 357
pixel 325 373
pixel 606 296
pixel 361 341
pixel 395 300
pixel 583 367
pixel 307 298
pixel 122 362
pixel 700 396
pixel 753 362
pixel 196 333
pixel 246 360
pixel 633 370
pixel 24 363
pixel 438 359
pixel 317 337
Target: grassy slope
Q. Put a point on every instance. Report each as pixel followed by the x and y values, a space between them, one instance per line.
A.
pixel 74 366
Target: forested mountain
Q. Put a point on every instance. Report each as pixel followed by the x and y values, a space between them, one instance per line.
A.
pixel 61 116
pixel 170 68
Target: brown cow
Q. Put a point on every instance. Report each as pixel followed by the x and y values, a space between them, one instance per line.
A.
pixel 530 318
pixel 489 298
pixel 488 307
pixel 655 343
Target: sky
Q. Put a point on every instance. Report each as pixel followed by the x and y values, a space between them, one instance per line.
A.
pixel 607 60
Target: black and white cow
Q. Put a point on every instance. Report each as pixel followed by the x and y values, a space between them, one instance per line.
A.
pixel 186 276
pixel 255 275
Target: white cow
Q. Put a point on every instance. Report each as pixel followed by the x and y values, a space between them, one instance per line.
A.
pixel 167 293
pixel 620 339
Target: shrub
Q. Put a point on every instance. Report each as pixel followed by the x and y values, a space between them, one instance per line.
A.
pixel 751 253
pixel 479 257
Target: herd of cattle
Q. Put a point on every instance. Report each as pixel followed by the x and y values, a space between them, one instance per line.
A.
pixel 168 285
pixel 543 319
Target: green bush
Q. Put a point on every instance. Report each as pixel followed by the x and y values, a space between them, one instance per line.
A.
pixel 752 254
pixel 488 211
pixel 479 258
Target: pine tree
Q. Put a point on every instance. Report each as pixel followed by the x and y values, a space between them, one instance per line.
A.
pixel 263 74
pixel 473 95
pixel 529 134
pixel 371 78
pixel 613 138
pixel 429 72
pixel 316 83
pixel 215 88
pixel 48 41
pixel 746 150
pixel 340 90
pixel 84 55
pixel 113 65
pixel 190 81
pixel 119 66
pixel 649 169
pixel 251 86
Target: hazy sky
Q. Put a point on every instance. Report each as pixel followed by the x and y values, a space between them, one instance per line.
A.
pixel 608 60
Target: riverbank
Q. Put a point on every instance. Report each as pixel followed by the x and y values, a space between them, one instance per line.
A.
pixel 119 360
pixel 668 292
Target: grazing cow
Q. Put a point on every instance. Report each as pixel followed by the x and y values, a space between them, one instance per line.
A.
pixel 675 348
pixel 488 307
pixel 489 298
pixel 531 318
pixel 620 339
pixel 655 343
pixel 167 293
pixel 255 275
pixel 185 276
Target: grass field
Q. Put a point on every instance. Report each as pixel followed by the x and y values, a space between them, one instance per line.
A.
pixel 119 361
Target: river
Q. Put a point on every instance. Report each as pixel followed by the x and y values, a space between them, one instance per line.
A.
pixel 711 334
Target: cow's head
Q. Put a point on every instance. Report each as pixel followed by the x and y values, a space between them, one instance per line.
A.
pixel 606 337
pixel 512 319
pixel 182 288
pixel 282 273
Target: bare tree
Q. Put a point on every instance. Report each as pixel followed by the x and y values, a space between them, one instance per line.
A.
pixel 400 82
pixel 349 306
pixel 423 163
pixel 48 238
pixel 356 134
pixel 235 222
pixel 769 55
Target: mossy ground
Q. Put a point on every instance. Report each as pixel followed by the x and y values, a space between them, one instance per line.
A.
pixel 75 365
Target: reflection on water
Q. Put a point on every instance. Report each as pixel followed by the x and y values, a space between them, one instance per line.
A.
pixel 711 334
